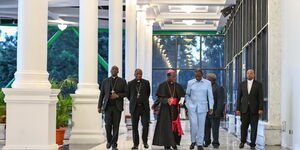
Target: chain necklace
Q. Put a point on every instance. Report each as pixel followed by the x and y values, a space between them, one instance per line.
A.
pixel 113 88
pixel 172 94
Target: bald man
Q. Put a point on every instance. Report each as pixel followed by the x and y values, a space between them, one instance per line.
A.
pixel 138 95
pixel 111 101
pixel 249 107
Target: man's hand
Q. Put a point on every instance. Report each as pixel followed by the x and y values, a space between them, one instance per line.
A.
pixel 211 111
pixel 260 112
pixel 114 96
pixel 99 110
pixel 170 100
pixel 238 113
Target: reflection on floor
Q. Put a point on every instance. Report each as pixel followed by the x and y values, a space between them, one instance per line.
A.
pixel 227 141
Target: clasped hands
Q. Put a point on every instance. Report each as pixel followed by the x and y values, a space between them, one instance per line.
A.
pixel 113 96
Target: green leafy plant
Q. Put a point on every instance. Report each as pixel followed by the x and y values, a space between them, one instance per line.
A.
pixel 63 110
pixel 2 108
pixel 65 102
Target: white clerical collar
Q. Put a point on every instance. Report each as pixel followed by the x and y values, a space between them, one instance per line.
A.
pixel 114 77
pixel 250 80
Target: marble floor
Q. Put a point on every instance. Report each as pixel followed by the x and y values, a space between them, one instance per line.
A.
pixel 227 141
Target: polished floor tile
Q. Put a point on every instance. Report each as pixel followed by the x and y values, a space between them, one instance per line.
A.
pixel 227 141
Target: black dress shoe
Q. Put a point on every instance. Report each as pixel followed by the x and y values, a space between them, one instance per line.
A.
pixel 174 147
pixel 216 146
pixel 114 148
pixel 167 148
pixel 193 145
pixel 241 145
pixel 108 145
pixel 205 145
pixel 146 145
pixel 135 147
pixel 252 147
pixel 200 148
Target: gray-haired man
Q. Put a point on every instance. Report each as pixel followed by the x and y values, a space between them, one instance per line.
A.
pixel 213 121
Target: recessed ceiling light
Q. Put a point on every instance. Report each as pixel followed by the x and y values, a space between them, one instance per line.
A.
pixel 189 22
pixel 188 9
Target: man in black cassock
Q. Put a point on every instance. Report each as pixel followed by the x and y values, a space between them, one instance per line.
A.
pixel 111 101
pixel 168 129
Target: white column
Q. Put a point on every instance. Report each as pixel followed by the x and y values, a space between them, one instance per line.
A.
pixel 87 131
pixel 130 45
pixel 290 73
pixel 273 126
pixel 141 37
pixel 115 35
pixel 30 104
pixel 148 51
pixel 131 31
pixel 115 44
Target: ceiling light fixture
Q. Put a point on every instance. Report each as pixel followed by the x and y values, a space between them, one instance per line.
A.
pixel 62 27
pixel 188 9
pixel 189 22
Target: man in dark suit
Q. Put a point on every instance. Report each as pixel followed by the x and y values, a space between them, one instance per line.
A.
pixel 212 121
pixel 113 91
pixel 249 107
pixel 138 95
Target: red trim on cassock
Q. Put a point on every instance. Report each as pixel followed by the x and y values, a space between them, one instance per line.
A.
pixel 176 125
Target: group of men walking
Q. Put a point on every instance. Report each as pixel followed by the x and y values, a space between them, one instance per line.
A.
pixel 203 100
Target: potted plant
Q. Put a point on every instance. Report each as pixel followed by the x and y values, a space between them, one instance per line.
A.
pixel 63 107
pixel 63 116
pixel 2 108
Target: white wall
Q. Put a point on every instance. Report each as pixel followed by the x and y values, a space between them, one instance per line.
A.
pixel 291 73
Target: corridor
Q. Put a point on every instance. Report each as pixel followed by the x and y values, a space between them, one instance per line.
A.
pixel 227 141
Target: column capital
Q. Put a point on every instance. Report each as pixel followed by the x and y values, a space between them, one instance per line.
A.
pixel 142 8
pixel 150 22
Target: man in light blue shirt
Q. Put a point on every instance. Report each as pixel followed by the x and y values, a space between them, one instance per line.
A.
pixel 199 100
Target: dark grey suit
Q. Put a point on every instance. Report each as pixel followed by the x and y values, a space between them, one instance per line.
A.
pixel 213 121
pixel 139 107
pixel 248 105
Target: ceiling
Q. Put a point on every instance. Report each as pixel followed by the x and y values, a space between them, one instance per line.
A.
pixel 196 15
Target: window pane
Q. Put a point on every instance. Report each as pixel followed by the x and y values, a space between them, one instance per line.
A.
pixel 212 51
pixel 218 73
pixel 158 76
pixel 183 76
pixel 164 51
pixel 188 51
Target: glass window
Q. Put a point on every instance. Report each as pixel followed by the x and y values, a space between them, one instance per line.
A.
pixel 184 53
pixel 188 51
pixel 212 51
pixel 164 51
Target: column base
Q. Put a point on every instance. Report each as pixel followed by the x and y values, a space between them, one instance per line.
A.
pixel 87 130
pixel 28 147
pixel 31 117
pixel 86 138
pixel 31 79
pixel 272 135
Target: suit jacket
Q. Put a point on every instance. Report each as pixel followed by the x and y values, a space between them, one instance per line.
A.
pixel 121 89
pixel 254 99
pixel 219 97
pixel 144 94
